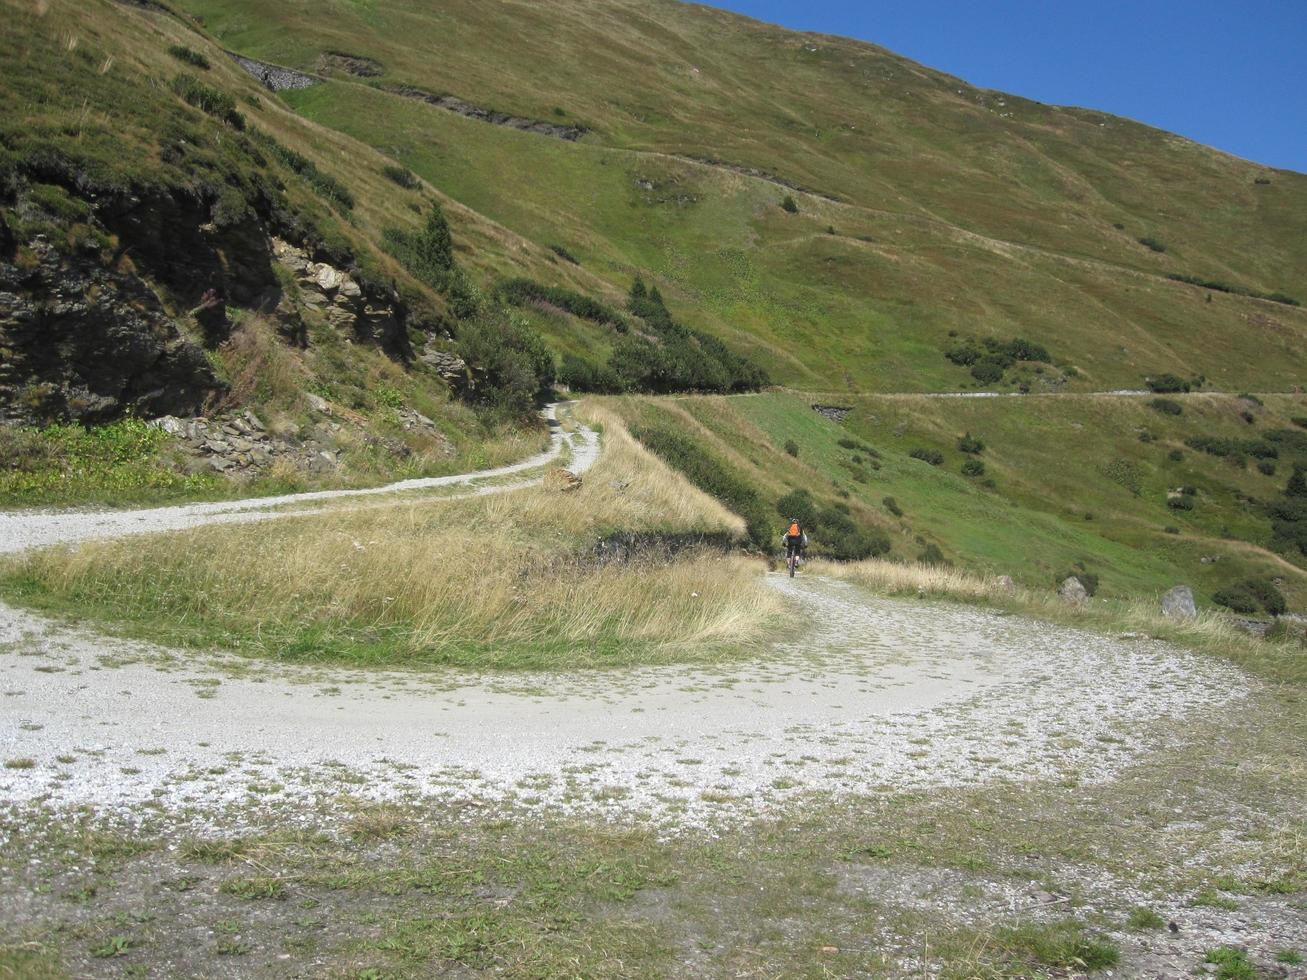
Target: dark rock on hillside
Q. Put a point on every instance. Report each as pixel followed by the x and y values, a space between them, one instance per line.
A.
pixel 357 65
pixel 453 104
pixel 274 77
pixel 82 342
pixel 836 413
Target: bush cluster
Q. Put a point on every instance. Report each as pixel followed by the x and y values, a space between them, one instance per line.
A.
pixel 402 176
pixel 970 444
pixel 1289 514
pixel 564 254
pixel 522 292
pixel 1252 595
pixel 892 506
pixel 991 358
pixel 668 357
pixel 514 367
pixel 833 531
pixel 932 456
pixel 1168 384
pixel 326 185
pixel 1218 286
pixel 1152 244
pixel 973 467
pixel 190 56
pixel 1166 406
pixel 1218 446
pixel 209 100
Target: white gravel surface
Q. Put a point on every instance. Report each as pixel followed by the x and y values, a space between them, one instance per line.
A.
pixel 877 693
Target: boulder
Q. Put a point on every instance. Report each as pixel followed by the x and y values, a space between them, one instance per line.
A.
pixel 562 480
pixel 1179 603
pixel 1073 591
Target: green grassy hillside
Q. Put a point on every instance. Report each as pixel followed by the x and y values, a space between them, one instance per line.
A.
pixel 1080 483
pixel 935 206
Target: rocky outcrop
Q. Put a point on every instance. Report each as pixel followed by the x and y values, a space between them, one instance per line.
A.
pixel 452 369
pixel 836 413
pixel 357 65
pixel 1073 591
pixel 241 446
pixel 364 311
pixel 274 77
pixel 79 341
pixel 454 104
pixel 1178 603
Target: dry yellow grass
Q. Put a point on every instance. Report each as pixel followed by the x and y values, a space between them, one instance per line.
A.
pixel 504 580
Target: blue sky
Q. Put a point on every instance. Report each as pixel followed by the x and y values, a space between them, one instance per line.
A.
pixel 1229 73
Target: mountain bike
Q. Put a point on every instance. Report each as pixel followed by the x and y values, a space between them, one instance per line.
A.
pixel 792 559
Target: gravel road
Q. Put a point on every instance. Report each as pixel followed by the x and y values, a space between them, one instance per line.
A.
pixel 22 530
pixel 876 693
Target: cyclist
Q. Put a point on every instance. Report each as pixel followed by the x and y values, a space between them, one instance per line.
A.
pixel 795 539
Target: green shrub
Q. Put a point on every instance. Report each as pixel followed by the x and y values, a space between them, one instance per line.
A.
pixel 1152 244
pixel 970 444
pixel 1266 468
pixel 1165 384
pixel 973 467
pixel 521 292
pixel 220 105
pixel 1300 421
pixel 1237 600
pixel 580 375
pixel 798 505
pixel 514 368
pixel 892 506
pixel 792 447
pixel 1297 486
pixel 1175 455
pixel 1024 350
pixel 1170 529
pixel 1166 406
pixel 402 176
pixel 1268 595
pixel 788 204
pixel 191 57
pixel 564 254
pixel 1180 503
pixel 988 370
pixel 932 456
pixel 842 539
pixel 963 355
pixel 931 555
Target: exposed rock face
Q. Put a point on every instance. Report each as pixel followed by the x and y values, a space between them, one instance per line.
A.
pixel 351 64
pixel 1179 603
pixel 274 77
pixel 836 413
pixel 451 368
pixel 341 300
pixel 454 104
pixel 82 342
pixel 1073 591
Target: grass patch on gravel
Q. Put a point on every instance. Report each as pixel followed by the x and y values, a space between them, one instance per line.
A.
pixel 998 881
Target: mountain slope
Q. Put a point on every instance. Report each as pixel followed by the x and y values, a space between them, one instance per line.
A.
pixel 936 206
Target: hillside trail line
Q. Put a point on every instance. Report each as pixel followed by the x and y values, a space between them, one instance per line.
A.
pixel 24 530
